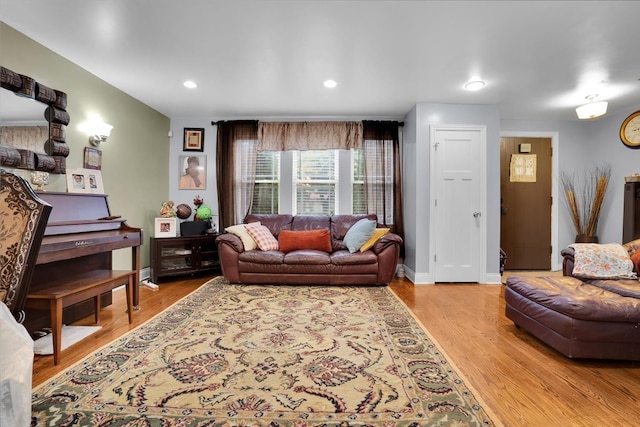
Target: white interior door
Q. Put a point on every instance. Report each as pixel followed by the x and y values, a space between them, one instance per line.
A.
pixel 457 222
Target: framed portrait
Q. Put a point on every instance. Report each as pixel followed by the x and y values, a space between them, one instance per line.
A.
pixel 92 158
pixel 192 172
pixel 84 181
pixel 166 227
pixel 193 139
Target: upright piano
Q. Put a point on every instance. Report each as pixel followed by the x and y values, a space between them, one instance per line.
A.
pixel 80 236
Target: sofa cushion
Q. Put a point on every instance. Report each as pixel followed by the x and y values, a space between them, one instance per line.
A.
pixel 310 222
pixel 624 287
pixel 274 222
pixel 260 257
pixel 306 239
pixel 240 231
pixel 340 224
pixel 263 237
pixel 346 258
pixel 358 234
pixel 577 299
pixel 377 233
pixel 307 257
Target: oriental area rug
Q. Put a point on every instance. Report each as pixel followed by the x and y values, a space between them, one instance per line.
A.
pixel 261 355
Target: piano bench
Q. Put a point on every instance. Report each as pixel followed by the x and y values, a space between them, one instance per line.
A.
pixel 62 293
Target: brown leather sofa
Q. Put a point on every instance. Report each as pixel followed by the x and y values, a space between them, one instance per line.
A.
pixel 375 266
pixel 598 319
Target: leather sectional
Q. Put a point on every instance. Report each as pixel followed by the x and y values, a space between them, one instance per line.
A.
pixel 581 318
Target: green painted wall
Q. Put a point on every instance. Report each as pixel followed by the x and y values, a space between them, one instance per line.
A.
pixel 134 159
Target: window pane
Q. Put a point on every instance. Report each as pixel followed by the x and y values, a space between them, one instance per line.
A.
pixel 266 189
pixel 316 199
pixel 265 198
pixel 359 201
pixel 359 205
pixel 315 182
pixel 316 165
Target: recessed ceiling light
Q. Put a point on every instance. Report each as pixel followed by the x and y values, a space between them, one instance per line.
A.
pixel 475 85
pixel 190 84
pixel 330 84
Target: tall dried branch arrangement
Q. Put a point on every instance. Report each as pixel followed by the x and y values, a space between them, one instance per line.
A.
pixel 585 201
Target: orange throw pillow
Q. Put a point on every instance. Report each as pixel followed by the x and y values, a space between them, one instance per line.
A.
pixel 635 259
pixel 305 239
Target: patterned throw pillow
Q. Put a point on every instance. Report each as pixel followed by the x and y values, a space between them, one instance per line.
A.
pixel 240 231
pixel 602 261
pixel 263 237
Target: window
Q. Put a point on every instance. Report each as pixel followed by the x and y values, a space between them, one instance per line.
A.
pixel 308 183
pixel 315 181
pixel 266 190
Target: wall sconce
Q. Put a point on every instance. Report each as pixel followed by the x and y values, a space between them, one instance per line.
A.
pixel 592 109
pixel 99 133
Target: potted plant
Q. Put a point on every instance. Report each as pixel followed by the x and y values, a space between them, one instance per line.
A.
pixel 584 197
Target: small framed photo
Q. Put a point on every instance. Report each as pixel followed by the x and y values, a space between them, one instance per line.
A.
pixel 92 158
pixel 84 181
pixel 166 227
pixel 192 172
pixel 193 139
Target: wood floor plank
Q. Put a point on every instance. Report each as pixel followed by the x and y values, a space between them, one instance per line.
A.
pixel 520 379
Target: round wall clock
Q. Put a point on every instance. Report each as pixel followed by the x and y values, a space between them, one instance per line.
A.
pixel 630 130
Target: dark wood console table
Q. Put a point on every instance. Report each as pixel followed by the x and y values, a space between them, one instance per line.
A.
pixel 177 256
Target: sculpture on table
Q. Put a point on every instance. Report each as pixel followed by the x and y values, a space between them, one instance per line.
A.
pixel 167 210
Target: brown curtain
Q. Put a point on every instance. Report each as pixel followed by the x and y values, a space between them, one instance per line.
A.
pixel 284 136
pixel 236 153
pixel 382 175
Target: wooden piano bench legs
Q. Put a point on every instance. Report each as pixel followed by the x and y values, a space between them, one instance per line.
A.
pixel 74 289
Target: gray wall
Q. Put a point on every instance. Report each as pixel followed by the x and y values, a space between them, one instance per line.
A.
pixel 581 145
pixel 134 158
pixel 416 145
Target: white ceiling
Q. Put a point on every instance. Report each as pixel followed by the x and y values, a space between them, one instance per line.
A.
pixel 266 59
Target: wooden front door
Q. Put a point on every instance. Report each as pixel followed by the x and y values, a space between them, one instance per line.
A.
pixel 525 225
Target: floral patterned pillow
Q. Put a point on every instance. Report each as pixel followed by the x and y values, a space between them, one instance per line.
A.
pixel 602 261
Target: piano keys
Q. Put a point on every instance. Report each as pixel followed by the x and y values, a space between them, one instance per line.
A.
pixel 80 236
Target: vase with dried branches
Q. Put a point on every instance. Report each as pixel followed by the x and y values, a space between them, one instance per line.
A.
pixel 584 200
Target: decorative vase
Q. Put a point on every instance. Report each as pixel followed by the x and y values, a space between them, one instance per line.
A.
pixel 583 238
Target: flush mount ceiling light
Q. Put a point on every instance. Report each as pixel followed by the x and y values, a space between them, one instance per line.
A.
pixel 330 84
pixel 592 109
pixel 475 85
pixel 189 84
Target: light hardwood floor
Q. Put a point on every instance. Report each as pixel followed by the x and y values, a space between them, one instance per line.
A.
pixel 521 380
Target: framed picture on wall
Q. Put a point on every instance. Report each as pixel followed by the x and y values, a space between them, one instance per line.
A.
pixel 84 181
pixel 166 227
pixel 192 172
pixel 193 139
pixel 92 158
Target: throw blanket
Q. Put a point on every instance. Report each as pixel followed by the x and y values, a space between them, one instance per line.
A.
pixel 601 261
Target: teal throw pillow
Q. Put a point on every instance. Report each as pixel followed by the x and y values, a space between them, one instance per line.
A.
pixel 358 234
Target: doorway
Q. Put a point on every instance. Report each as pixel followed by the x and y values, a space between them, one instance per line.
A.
pixel 526 202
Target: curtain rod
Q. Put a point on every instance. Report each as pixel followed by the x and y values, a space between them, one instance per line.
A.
pixel 214 123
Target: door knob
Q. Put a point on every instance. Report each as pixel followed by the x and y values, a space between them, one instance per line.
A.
pixel 476 214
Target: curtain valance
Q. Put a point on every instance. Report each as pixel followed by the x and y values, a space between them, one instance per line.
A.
pixel 284 136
